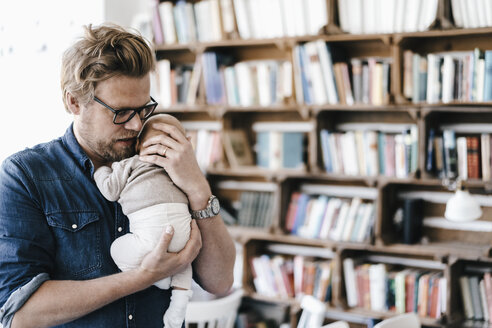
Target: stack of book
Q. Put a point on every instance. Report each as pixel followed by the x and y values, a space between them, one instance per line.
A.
pixel 370 153
pixel 214 20
pixel 466 156
pixel 292 277
pixel 329 218
pixel 464 76
pixel 386 16
pixel 246 83
pixel 256 209
pixel 174 84
pixel 281 144
pixel 207 142
pixel 257 82
pixel 476 295
pixel 471 14
pixel 379 287
pixel 318 80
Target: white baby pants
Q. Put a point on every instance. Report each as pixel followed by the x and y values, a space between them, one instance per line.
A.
pixel 146 228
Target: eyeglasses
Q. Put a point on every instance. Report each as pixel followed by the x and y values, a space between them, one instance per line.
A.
pixel 121 116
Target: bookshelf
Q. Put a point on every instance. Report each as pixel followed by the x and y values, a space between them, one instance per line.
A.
pixel 280 103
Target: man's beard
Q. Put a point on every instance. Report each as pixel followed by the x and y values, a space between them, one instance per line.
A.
pixel 108 151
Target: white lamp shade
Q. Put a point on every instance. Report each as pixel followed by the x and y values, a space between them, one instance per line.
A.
pixel 462 207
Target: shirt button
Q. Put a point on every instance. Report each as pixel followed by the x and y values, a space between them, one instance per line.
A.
pixel 2 310
pixel 130 317
pixel 74 226
pixel 120 229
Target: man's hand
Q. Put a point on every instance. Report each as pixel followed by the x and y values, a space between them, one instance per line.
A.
pixel 160 263
pixel 174 152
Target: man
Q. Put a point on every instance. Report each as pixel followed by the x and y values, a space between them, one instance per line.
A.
pixel 56 228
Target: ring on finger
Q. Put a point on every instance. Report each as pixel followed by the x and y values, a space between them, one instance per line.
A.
pixel 165 150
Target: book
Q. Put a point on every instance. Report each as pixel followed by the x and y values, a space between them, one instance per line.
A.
pixel 430 162
pixel 450 154
pixel 483 301
pixel 156 23
pixel 326 64
pixel 400 295
pixel 377 286
pixel 466 297
pixel 350 282
pixel 331 209
pixel 291 211
pixel 428 13
pixel 315 72
pixel 336 233
pixel 292 150
pixel 473 157
pixel 487 280
pixel 316 217
pixel 325 150
pixel 193 87
pixel 485 144
pixel 167 22
pixel 164 72
pixel 366 223
pixel 302 204
pixel 412 220
pixel 237 148
pixel 475 297
pixel 461 150
pixel 350 220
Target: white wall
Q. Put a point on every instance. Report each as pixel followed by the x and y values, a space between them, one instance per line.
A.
pixel 122 11
pixel 30 55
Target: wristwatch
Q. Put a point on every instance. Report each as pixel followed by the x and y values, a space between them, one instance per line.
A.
pixel 212 209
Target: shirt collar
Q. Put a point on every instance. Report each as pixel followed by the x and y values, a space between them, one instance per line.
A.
pixel 78 153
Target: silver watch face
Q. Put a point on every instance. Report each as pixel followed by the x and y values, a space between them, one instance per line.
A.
pixel 215 206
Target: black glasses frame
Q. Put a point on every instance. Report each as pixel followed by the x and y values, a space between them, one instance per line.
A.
pixel 134 110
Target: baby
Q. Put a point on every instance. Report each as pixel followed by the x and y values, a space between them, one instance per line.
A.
pixel 151 201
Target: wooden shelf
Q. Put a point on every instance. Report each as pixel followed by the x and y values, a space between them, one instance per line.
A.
pixel 442 252
pixel 385 315
pixel 439 250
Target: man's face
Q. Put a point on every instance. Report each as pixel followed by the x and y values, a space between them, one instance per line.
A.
pixel 103 141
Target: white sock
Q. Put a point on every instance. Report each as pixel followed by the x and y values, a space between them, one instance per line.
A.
pixel 174 316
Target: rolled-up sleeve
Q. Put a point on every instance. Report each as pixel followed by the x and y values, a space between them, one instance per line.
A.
pixel 26 243
pixel 19 297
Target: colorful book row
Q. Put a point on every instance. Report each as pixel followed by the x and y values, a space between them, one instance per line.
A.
pixel 465 156
pixel 386 16
pixel 329 218
pixel 370 153
pixel 476 296
pixel 292 277
pixel 463 76
pixel 215 20
pixel 319 79
pixel 379 287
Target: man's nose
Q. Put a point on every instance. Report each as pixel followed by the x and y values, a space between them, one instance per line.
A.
pixel 134 124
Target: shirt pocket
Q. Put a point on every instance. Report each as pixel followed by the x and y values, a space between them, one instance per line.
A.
pixel 78 243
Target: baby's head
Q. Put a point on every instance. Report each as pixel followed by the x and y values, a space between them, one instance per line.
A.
pixel 149 131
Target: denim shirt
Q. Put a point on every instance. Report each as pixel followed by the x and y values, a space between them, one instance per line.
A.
pixel 55 224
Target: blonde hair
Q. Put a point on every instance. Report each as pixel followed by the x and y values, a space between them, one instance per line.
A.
pixel 103 52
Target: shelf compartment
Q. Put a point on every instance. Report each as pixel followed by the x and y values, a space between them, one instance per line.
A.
pixel 468 124
pixel 333 212
pixel 248 202
pixel 369 274
pixel 357 143
pixel 444 237
pixel 272 260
